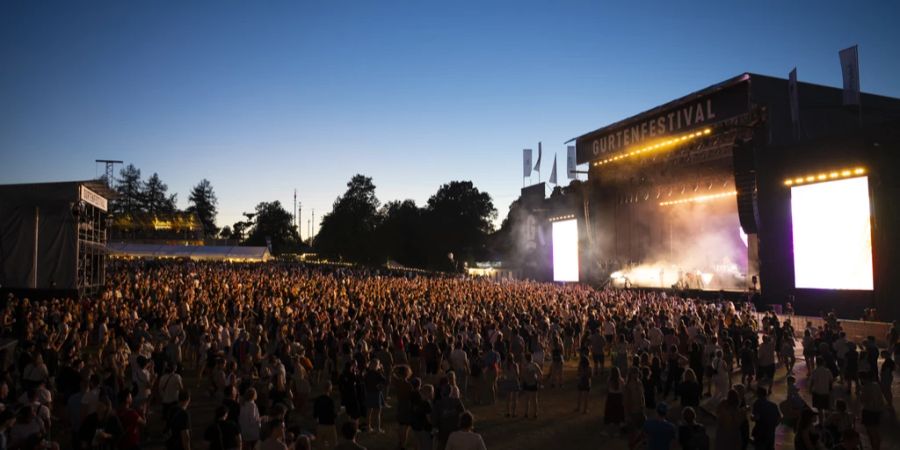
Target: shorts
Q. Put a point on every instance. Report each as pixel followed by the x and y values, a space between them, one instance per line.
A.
pixel 530 387
pixel 821 401
pixel 767 372
pixel 598 357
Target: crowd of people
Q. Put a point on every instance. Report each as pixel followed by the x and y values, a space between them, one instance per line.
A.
pixel 299 357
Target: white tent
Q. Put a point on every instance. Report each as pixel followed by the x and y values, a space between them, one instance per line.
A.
pixel 196 252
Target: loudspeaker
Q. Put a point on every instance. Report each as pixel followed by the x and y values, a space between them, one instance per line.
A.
pixel 745 185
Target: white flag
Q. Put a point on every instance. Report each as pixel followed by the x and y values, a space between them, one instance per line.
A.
pixel 537 165
pixel 553 171
pixel 850 70
pixel 794 96
pixel 570 161
pixel 526 162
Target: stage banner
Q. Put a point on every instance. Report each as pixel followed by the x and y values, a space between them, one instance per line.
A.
pixel 716 104
pixel 570 162
pixel 553 171
pixel 850 71
pixel 526 162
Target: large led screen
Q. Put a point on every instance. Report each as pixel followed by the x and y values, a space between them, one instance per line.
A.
pixel 565 250
pixel 832 235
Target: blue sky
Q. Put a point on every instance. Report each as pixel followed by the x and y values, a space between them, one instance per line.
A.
pixel 265 97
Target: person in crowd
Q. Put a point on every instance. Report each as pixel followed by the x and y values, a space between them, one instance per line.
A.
pixel 531 383
pixel 326 416
pixel 510 386
pixel 375 383
pixel 170 385
pixel 692 435
pixel 349 430
pixel 132 422
pixel 689 390
pixel 633 400
pixel 821 383
pixel 729 419
pixel 446 413
pixel 806 437
pixel 179 424
pixel 614 411
pixel 659 433
pixel 101 430
pixel 873 405
pixel 421 416
pixel 766 417
pixel 584 384
pixel 249 421
pixel 465 438
pixel 274 436
pixel 222 434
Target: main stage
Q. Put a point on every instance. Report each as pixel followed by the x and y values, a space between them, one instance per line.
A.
pixel 721 190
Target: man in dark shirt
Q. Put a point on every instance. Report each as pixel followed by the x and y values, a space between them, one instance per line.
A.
pixel 101 429
pixel 325 415
pixel 223 434
pixel 180 424
pixel 767 416
pixel 659 432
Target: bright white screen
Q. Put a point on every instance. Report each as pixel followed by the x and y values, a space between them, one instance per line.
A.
pixel 832 235
pixel 565 250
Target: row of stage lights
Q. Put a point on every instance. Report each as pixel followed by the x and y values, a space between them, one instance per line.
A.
pixel 699 198
pixel 658 145
pixel 558 218
pixel 825 176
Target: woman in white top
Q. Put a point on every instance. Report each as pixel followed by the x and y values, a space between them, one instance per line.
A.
pixel 250 420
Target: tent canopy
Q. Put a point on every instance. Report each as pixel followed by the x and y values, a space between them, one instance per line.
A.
pixel 210 252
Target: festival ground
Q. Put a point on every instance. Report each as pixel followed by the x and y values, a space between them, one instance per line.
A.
pixel 557 425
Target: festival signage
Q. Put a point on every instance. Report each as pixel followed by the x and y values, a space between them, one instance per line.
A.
pixel 92 198
pixel 681 115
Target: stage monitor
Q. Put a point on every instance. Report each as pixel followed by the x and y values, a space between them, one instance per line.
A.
pixel 832 235
pixel 565 250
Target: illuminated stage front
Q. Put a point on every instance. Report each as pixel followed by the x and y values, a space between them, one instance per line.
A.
pixel 720 190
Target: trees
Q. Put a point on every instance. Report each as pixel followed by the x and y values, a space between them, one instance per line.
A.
pixel 154 198
pixel 348 231
pixel 400 233
pixel 203 203
pixel 459 219
pixel 272 223
pixel 129 190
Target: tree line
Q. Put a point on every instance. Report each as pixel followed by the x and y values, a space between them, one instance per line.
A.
pixel 137 197
pixel 452 228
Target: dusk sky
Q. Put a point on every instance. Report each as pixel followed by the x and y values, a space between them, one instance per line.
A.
pixel 265 97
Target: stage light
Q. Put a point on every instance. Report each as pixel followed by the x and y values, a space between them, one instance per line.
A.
pixel 825 176
pixel 699 198
pixel 655 146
